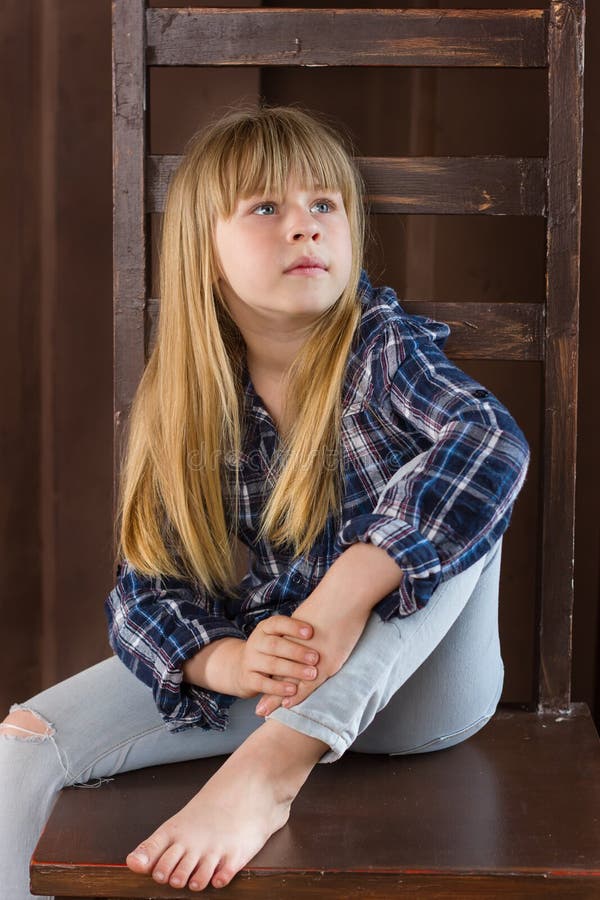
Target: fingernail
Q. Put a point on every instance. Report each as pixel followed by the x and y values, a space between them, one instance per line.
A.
pixel 305 632
pixel 260 709
pixel 286 701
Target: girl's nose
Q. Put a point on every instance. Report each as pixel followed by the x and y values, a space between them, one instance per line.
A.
pixel 304 226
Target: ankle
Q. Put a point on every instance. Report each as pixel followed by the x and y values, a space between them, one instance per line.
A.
pixel 298 748
pixel 286 756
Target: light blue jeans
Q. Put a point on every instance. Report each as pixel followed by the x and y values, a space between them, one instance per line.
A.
pixel 412 685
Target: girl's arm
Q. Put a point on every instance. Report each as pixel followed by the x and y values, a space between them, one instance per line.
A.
pixel 276 651
pixel 456 502
pixel 338 610
pixel 155 626
pixel 197 661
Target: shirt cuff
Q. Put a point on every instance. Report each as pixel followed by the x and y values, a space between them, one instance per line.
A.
pixel 416 556
pixel 199 707
pixel 186 705
pixel 180 704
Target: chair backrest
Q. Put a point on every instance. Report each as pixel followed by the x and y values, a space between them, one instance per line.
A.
pixel 549 186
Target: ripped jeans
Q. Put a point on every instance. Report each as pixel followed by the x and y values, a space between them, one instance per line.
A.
pixel 413 685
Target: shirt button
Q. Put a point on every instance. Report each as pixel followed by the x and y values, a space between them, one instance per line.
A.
pixel 480 393
pixel 296 579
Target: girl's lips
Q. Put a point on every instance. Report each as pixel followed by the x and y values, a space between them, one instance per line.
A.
pixel 306 270
pixel 307 261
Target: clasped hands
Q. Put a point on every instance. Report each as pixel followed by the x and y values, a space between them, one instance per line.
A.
pixel 319 636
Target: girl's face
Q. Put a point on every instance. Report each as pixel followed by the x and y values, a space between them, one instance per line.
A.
pixel 289 261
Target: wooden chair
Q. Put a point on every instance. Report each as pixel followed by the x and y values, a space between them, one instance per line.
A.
pixel 513 810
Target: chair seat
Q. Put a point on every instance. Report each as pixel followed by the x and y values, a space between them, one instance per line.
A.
pixel 512 811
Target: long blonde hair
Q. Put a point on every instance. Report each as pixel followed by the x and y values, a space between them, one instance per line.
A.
pixel 176 515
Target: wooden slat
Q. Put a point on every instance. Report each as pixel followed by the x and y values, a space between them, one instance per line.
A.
pixel 478 330
pixel 487 330
pixel 481 185
pixel 346 37
pixel 565 84
pixel 507 813
pixel 129 221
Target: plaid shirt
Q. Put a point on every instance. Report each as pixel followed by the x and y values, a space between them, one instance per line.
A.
pixel 402 397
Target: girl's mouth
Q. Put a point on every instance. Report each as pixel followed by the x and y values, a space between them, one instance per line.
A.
pixel 307 265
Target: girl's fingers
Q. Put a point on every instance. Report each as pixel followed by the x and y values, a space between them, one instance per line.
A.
pixel 293 628
pixel 279 687
pixel 305 689
pixel 270 702
pixel 286 649
pixel 285 668
pixel 267 704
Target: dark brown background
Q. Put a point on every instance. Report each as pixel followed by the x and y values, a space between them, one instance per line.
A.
pixel 55 182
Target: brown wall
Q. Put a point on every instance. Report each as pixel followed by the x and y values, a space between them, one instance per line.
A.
pixel 57 426
pixel 57 360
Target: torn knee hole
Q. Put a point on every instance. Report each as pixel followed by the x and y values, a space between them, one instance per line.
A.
pixel 25 724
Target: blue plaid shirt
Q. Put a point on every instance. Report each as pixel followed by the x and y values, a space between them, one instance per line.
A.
pixel 402 397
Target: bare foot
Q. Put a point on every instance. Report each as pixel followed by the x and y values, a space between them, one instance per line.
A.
pixel 234 814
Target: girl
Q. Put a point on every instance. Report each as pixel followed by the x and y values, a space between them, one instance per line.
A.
pixel 292 406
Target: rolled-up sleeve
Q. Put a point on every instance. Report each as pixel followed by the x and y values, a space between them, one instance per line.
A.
pixel 449 511
pixel 154 626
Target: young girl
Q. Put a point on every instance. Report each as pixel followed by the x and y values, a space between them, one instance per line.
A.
pixel 292 406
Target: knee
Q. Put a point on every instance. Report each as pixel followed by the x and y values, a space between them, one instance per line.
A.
pixel 25 725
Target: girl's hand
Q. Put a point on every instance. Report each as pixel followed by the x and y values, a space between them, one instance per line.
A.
pixel 337 628
pixel 275 657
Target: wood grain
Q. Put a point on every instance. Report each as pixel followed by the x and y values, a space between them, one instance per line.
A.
pixel 443 185
pixel 346 37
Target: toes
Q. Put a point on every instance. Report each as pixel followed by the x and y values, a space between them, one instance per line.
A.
pixel 183 871
pixel 167 863
pixel 223 875
pixel 203 873
pixel 146 855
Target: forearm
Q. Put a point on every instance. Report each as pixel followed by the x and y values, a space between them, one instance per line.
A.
pixel 339 608
pixel 216 666
pixel 363 574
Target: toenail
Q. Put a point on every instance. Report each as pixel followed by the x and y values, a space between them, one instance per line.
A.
pixel 175 882
pixel 141 856
pixel 219 882
pixel 159 876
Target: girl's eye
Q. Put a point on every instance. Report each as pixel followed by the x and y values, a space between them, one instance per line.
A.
pixel 261 206
pixel 327 203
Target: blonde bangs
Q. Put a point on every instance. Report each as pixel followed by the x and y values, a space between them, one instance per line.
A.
pixel 265 153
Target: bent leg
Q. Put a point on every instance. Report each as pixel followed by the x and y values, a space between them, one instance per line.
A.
pixel 85 729
pixel 456 690
pixel 389 653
